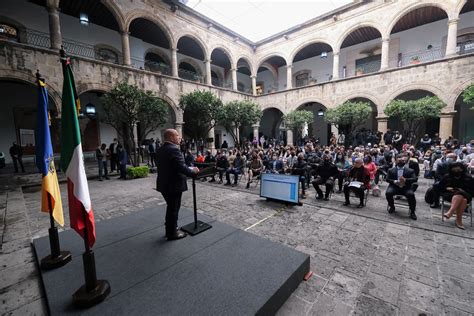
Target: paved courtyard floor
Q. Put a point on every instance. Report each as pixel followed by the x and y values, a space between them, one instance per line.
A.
pixel 365 261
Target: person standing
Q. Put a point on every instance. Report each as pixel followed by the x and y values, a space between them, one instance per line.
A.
pixel 122 161
pixel 102 154
pixel 152 152
pixel 171 180
pixel 17 153
pixel 113 155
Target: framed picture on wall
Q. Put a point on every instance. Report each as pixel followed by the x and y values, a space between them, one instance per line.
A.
pixel 27 137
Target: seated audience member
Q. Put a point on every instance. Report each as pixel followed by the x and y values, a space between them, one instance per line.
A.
pixel 458 187
pixel 200 158
pixel 370 166
pixel 357 181
pixel 326 173
pixel 442 167
pixel 189 158
pixel 255 168
pixel 343 167
pixel 221 164
pixel 209 159
pixel 275 165
pixel 401 180
pixel 299 168
pixel 235 168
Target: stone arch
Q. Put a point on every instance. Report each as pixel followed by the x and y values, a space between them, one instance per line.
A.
pixel 271 120
pixel 305 44
pixel 116 12
pixel 271 69
pixel 366 95
pixel 354 27
pixel 227 52
pixel 261 61
pixel 455 93
pixel 427 87
pixel 29 79
pixel 459 7
pixel 326 103
pixel 99 47
pixel 158 52
pixel 248 60
pixel 196 38
pixel 412 7
pixel 136 14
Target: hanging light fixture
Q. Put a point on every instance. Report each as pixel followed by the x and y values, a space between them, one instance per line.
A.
pixel 84 19
pixel 90 109
pixel 320 113
pixel 324 54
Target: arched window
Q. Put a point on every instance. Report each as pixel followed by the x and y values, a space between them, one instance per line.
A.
pixel 106 54
pixel 8 32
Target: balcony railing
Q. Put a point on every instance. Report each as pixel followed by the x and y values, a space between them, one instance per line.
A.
pixel 465 48
pixel 418 57
pixel 157 67
pixel 189 75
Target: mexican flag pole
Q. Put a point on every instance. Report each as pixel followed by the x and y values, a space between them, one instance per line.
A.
pixel 80 207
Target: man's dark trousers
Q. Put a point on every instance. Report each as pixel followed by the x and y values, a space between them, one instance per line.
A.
pixel 396 190
pixel 173 204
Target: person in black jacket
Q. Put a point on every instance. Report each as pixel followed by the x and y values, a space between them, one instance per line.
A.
pixel 326 173
pixel 171 180
pixel 16 153
pixel 401 180
pixel 300 169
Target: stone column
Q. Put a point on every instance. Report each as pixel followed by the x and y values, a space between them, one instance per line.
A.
pixel 54 27
pixel 451 42
pixel 382 125
pixel 305 129
pixel 126 49
pixel 255 131
pixel 385 53
pixel 234 79
pixel 289 76
pixel 289 137
pixel 335 66
pixel 178 126
pixel 254 85
pixel 446 125
pixel 174 62
pixel 211 145
pixel 207 62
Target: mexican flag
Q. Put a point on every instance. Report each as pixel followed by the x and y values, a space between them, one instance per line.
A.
pixel 72 162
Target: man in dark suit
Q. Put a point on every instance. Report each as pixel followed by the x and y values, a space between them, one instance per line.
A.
pixel 171 180
pixel 401 180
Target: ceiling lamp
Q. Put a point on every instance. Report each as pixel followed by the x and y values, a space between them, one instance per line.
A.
pixel 90 110
pixel 324 54
pixel 84 19
pixel 320 113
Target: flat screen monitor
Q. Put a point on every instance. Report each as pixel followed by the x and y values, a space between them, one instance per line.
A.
pixel 280 187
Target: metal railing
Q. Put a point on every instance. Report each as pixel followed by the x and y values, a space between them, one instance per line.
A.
pixel 422 56
pixel 189 75
pixel 157 67
pixel 465 48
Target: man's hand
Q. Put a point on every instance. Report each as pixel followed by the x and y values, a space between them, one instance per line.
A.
pixel 195 170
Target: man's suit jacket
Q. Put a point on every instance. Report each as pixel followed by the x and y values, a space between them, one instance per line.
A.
pixel 408 174
pixel 171 169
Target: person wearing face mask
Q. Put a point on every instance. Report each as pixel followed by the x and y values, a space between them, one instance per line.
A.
pixel 442 166
pixel 221 164
pixel 255 168
pixel 401 180
pixel 236 166
pixel 358 181
pixel 343 167
pixel 325 173
pixel 275 165
pixel 458 187
pixel 299 168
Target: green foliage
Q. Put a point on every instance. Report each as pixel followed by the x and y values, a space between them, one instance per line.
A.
pixel 297 119
pixel 237 114
pixel 413 112
pixel 468 95
pixel 137 172
pixel 349 115
pixel 127 105
pixel 202 110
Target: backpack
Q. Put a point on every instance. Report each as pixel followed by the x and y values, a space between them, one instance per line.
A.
pixel 429 198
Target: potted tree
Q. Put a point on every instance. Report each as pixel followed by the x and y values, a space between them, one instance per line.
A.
pixel 415 60
pixel 359 71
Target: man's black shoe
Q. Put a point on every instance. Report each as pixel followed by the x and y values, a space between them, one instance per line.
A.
pixel 178 235
pixel 326 198
pixel 346 203
pixel 361 205
pixel 391 209
pixel 227 183
pixel 413 215
pixel 319 197
pixel 434 205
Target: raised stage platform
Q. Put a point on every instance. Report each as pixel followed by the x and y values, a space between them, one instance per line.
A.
pixel 223 271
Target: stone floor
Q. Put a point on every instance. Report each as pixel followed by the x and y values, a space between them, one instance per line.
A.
pixel 365 261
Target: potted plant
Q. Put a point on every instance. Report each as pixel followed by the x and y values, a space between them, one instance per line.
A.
pixel 359 71
pixel 415 60
pixel 312 80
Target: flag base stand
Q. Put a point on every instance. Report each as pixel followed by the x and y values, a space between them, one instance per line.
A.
pixel 195 228
pixel 57 258
pixel 94 291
